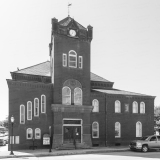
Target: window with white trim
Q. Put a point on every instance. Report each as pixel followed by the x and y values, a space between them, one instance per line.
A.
pixel 138 129
pixel 29 110
pixel 78 96
pixel 95 104
pixel 64 60
pixel 72 59
pixel 37 133
pixel 16 139
pixel 36 107
pixel 22 114
pixel 43 104
pixel 134 107
pixel 95 130
pixel 142 107
pixel 117 130
pixel 80 62
pixel 117 106
pixel 66 95
pixel 29 133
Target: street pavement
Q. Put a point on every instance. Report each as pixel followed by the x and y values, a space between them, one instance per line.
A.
pixel 45 152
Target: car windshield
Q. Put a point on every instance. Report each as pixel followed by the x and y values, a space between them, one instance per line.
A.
pixel 144 138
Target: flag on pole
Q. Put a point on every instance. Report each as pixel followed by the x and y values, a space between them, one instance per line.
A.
pixel 69 4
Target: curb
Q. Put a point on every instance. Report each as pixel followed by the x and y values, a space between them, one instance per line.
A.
pixel 78 152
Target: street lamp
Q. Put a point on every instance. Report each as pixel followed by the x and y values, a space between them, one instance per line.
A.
pixel 12 122
pixel 33 142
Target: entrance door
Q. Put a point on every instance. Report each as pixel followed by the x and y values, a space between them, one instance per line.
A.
pixel 71 133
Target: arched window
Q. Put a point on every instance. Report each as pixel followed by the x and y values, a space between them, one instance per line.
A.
pixel 95 104
pixel 37 133
pixel 138 129
pixel 142 107
pixel 22 114
pixel 29 133
pixel 43 104
pixel 95 130
pixel 36 107
pixel 72 59
pixel 117 130
pixel 29 110
pixel 135 107
pixel 77 96
pixel 117 106
pixel 66 96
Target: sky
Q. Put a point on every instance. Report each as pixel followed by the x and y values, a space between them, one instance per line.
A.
pixel 125 48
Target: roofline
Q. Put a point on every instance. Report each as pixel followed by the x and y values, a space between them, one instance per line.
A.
pixel 31 66
pixel 142 95
pixel 103 81
pixel 29 74
pixel 35 82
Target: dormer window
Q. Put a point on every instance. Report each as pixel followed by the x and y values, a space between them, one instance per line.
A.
pixel 72 59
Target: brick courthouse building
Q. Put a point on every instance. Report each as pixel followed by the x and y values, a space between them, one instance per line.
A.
pixel 62 98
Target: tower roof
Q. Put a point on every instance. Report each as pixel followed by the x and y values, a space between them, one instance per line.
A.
pixel 66 21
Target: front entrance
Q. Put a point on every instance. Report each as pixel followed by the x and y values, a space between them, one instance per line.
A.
pixel 71 134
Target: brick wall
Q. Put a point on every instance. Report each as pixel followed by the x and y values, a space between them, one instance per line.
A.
pixel 21 93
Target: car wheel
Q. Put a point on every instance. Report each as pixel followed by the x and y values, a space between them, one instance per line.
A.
pixel 144 148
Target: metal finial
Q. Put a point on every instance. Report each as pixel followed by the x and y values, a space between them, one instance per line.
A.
pixel 69 4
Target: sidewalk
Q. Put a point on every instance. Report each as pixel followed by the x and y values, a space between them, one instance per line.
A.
pixel 45 152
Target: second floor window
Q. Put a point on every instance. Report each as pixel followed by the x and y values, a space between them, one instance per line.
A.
pixel 117 107
pixel 135 107
pixel 43 104
pixel 95 104
pixel 77 96
pixel 22 114
pixel 142 107
pixel 72 59
pixel 36 107
pixel 66 96
pixel 29 110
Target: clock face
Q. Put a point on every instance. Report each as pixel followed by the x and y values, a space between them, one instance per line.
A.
pixel 72 32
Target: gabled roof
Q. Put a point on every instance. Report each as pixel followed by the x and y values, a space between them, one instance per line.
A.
pixel 120 92
pixel 43 69
pixel 65 22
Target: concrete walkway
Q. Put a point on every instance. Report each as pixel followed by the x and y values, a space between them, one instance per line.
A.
pixel 45 152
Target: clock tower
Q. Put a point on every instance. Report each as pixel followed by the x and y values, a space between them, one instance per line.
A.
pixel 70 56
pixel 70 74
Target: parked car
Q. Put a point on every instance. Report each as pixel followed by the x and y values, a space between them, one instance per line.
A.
pixel 3 139
pixel 146 143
